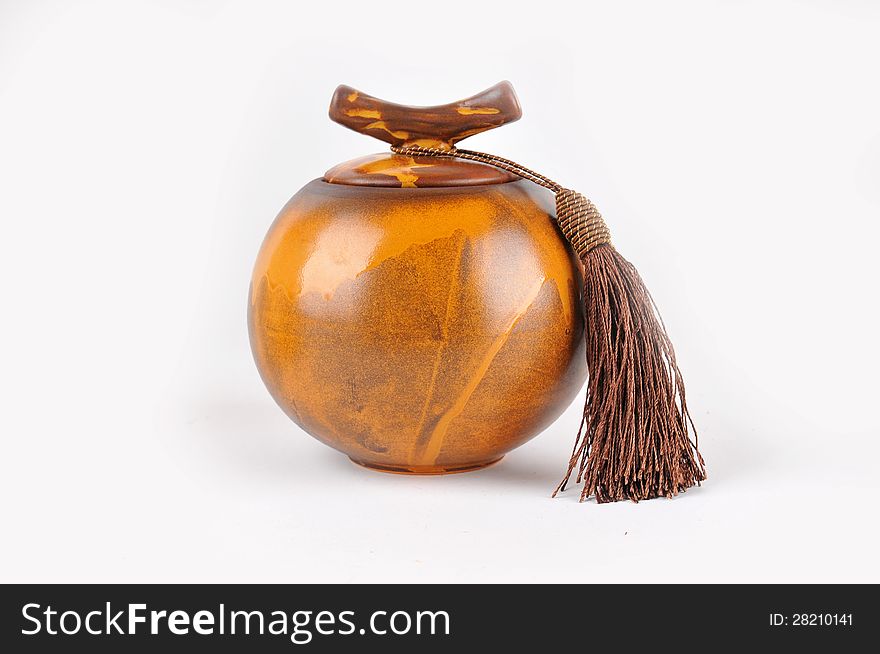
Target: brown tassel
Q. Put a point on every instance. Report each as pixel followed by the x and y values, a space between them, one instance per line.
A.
pixel 634 441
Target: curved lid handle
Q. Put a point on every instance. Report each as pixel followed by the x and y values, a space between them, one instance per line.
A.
pixel 440 126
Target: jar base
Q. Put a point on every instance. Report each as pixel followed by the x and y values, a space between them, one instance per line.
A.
pixel 425 470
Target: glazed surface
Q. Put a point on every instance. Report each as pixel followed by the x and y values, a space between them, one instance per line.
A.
pixel 420 330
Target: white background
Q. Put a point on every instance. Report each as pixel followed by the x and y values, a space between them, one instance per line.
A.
pixel 145 147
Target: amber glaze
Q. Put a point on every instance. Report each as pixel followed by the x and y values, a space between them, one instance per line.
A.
pixel 420 330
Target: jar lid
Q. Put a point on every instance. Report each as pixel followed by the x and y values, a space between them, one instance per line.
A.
pixel 401 171
pixel 439 127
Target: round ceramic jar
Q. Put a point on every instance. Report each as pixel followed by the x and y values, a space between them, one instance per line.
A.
pixel 421 315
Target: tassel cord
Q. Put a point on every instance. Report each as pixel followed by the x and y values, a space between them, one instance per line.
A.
pixel 633 442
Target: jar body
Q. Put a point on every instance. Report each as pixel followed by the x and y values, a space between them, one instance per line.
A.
pixel 424 330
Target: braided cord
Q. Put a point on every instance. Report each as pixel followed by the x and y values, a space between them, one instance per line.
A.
pixel 580 221
pixel 633 442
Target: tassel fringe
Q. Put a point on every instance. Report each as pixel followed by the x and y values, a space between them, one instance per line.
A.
pixel 634 441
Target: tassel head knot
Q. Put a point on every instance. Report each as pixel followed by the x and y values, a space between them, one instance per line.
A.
pixel 580 222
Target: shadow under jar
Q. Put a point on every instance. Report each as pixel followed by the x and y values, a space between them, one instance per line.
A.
pixel 419 314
